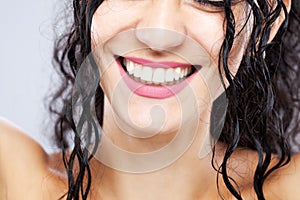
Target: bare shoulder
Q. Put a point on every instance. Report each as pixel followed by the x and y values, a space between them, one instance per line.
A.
pixel 292 179
pixel 16 147
pixel 24 165
pixel 284 183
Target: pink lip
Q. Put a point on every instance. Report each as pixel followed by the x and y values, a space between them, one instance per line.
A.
pixel 163 64
pixel 153 91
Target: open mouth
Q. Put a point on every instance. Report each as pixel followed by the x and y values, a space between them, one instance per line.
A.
pixel 156 73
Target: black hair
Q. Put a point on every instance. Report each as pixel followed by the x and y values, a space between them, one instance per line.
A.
pixel 263 97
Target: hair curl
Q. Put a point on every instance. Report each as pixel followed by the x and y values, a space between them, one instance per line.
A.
pixel 263 110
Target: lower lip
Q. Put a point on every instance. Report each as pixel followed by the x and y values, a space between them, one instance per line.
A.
pixel 153 91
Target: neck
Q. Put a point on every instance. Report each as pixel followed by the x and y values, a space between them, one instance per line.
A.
pixel 187 178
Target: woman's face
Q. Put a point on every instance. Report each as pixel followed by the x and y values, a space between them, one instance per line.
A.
pixel 158 61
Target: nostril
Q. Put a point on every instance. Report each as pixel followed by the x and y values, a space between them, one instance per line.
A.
pixel 159 39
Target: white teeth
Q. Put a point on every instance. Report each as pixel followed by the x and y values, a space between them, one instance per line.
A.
pixel 137 72
pixel 156 76
pixel 177 74
pixel 130 68
pixel 185 71
pixel 169 75
pixel 146 74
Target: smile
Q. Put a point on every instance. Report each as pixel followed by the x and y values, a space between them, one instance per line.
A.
pixel 155 79
pixel 156 73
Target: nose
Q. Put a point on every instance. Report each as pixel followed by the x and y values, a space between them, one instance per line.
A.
pixel 161 27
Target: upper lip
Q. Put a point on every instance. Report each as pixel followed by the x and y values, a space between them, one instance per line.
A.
pixel 159 64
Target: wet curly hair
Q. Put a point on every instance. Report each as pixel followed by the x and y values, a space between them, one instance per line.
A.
pixel 263 111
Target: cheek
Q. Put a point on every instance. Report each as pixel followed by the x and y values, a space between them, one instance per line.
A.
pixel 207 29
pixel 109 80
pixel 109 21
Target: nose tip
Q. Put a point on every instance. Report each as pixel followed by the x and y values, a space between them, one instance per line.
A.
pixel 161 26
pixel 160 39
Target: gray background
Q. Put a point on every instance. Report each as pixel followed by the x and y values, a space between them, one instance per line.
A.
pixel 26 73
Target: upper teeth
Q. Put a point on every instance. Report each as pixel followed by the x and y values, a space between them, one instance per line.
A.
pixel 156 76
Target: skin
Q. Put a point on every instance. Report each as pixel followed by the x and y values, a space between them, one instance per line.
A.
pixel 27 172
pixel 171 16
